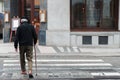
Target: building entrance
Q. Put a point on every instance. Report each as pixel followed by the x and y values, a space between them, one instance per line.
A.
pixel 30 9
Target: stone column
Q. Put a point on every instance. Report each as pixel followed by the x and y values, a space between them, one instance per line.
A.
pixel 10 6
pixel 6 29
pixel 58 23
pixel 43 25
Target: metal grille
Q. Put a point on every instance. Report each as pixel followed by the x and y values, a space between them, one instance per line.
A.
pixel 87 40
pixel 103 40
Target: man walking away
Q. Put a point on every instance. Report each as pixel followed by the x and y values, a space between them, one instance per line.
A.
pixel 25 36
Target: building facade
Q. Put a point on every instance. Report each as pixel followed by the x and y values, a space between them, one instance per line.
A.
pixel 83 23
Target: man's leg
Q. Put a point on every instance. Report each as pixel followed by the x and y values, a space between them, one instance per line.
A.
pixel 22 59
pixel 29 55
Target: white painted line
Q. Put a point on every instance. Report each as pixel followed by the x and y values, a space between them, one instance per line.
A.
pixel 43 68
pixel 97 74
pixel 3 75
pixel 68 49
pixel 112 74
pixel 61 49
pixel 75 49
pixel 62 60
pixel 16 77
pixel 44 49
pixel 82 64
pixel 105 74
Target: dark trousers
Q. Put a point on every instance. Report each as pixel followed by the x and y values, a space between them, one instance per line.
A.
pixel 26 52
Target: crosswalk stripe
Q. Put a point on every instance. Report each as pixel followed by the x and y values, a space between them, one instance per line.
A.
pixel 61 49
pixel 57 68
pixel 15 76
pixel 90 65
pixel 76 64
pixel 68 49
pixel 72 49
pixel 3 74
pixel 79 62
pixel 62 60
pixel 75 49
pixel 105 74
pixel 44 49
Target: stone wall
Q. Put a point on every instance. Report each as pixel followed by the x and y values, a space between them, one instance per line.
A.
pixel 58 23
pixel 110 39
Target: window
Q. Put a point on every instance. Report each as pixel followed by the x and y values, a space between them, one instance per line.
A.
pixel 103 40
pixel 94 15
pixel 87 40
pixel 37 2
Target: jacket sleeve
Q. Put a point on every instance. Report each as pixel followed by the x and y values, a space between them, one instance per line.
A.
pixel 16 39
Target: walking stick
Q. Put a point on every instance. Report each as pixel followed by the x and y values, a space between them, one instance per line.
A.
pixel 35 60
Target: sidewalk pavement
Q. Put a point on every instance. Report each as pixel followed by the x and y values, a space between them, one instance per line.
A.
pixel 79 51
pixel 52 50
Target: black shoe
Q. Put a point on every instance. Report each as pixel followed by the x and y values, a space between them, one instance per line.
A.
pixel 31 76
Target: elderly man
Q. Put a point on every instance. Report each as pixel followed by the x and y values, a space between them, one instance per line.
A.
pixel 26 37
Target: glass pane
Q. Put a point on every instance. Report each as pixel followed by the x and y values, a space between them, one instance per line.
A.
pixel 28 3
pixel 36 11
pixel 37 2
pixel 28 9
pixel 108 13
pixel 93 12
pixel 78 13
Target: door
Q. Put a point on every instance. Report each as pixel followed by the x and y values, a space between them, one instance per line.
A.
pixel 36 20
pixel 30 9
pixel 27 9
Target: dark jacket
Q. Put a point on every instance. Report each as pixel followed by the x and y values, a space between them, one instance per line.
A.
pixel 25 35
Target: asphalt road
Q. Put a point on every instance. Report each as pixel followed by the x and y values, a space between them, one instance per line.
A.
pixel 114 61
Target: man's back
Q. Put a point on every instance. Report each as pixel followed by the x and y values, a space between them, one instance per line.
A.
pixel 25 35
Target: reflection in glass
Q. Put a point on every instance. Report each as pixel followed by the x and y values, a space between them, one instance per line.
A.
pixel 27 9
pixel 78 13
pixel 108 14
pixel 94 14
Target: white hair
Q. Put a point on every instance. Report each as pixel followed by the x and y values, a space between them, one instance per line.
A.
pixel 24 20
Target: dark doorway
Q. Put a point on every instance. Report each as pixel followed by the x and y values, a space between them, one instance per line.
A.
pixel 30 9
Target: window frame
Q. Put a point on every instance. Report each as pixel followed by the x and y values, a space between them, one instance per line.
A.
pixel 85 28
